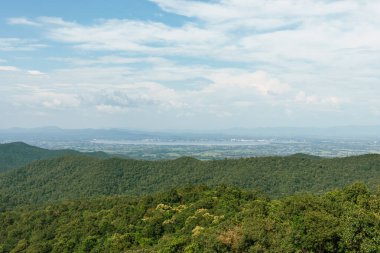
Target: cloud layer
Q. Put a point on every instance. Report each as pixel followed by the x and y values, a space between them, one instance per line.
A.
pixel 245 63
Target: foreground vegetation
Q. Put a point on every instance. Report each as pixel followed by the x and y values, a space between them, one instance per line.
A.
pixel 199 219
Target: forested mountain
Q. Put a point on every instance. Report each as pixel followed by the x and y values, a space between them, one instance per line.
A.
pixel 199 220
pixel 73 177
pixel 79 203
pixel 17 154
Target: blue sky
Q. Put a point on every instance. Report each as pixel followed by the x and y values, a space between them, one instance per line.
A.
pixel 172 64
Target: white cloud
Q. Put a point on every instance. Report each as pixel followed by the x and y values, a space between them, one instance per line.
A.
pixel 278 34
pixel 37 97
pixel 107 92
pixel 111 60
pixel 129 35
pixel 21 21
pixel 54 100
pixel 111 108
pixel 223 88
pixel 55 21
pixel 137 96
pixel 231 10
pixel 334 101
pixel 234 56
pixel 13 69
pixel 8 68
pixel 35 73
pixel 16 44
pixel 258 82
pixel 122 90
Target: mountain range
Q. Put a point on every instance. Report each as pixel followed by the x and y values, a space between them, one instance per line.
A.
pixel 72 175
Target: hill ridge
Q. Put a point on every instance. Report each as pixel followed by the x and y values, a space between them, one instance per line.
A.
pixel 18 154
pixel 77 176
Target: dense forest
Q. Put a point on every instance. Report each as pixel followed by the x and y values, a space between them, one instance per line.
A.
pixel 199 219
pixel 72 177
pixel 76 202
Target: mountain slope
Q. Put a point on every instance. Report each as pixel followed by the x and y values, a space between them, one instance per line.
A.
pixel 73 177
pixel 17 154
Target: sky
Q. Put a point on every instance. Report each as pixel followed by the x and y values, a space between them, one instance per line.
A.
pixel 174 64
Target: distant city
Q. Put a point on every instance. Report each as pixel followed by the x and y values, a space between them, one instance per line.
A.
pixel 204 145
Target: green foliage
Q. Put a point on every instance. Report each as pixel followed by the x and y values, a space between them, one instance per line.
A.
pixel 78 203
pixel 331 222
pixel 76 177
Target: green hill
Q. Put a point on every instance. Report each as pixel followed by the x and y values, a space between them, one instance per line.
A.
pixel 199 220
pixel 73 177
pixel 17 154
